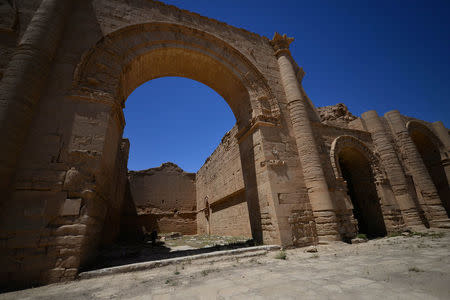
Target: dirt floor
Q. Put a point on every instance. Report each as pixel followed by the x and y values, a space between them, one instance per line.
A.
pixel 416 266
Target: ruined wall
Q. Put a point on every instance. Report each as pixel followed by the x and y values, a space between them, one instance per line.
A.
pixel 220 180
pixel 337 115
pixel 230 217
pixel 164 198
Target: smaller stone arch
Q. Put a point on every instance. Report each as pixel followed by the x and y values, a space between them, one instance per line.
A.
pixel 358 178
pixel 415 125
pixel 434 156
pixel 348 141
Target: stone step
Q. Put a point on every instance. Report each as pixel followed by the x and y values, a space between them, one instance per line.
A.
pixel 445 223
pixel 210 257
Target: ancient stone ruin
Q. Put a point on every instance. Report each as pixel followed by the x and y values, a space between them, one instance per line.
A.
pixel 287 173
pixel 164 198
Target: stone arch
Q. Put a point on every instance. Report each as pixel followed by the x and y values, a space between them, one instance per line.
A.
pixel 433 153
pixel 128 57
pixel 358 170
pixel 347 141
pixel 113 68
pixel 418 126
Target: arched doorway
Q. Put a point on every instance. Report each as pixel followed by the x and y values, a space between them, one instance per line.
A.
pixel 428 146
pixel 357 172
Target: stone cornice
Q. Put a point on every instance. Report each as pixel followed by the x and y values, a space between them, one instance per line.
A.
pixel 259 121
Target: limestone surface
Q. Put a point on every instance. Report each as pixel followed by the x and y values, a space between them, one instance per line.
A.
pixel 164 198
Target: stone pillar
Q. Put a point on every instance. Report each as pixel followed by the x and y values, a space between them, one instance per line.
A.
pixel 24 81
pixel 262 205
pixel 434 211
pixel 443 135
pixel 315 181
pixel 394 170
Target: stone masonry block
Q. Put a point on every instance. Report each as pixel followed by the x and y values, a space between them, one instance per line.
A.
pixel 71 207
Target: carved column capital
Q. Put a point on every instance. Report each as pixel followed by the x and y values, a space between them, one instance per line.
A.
pixel 280 44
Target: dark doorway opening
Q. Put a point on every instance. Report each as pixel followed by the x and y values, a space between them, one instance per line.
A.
pixel 358 174
pixel 432 160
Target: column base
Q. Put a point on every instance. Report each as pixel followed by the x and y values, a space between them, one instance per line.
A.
pixel 327 226
pixel 412 218
pixel 443 223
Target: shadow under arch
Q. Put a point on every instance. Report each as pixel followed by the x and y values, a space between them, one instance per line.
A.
pixel 431 149
pixel 356 165
pixel 128 57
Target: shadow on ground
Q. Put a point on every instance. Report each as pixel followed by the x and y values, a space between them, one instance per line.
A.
pixel 128 253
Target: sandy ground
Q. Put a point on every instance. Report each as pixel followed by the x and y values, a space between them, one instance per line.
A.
pixel 412 267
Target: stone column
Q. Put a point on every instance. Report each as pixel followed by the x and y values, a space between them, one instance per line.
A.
pixel 394 170
pixel 24 81
pixel 433 208
pixel 443 135
pixel 315 181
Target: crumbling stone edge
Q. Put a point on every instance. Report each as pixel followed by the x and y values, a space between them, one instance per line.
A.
pixel 172 261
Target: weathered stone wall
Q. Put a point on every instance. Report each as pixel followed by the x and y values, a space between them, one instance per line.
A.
pixel 229 217
pixel 220 183
pixel 164 198
pixel 221 174
pixel 14 18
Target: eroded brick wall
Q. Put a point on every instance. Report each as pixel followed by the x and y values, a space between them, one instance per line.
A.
pixel 230 216
pixel 164 198
pixel 219 183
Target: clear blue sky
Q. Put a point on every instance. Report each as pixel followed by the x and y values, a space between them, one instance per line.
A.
pixel 380 55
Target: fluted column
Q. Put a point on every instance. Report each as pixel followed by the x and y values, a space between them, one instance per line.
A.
pixel 394 170
pixel 434 210
pixel 24 81
pixel 316 184
pixel 443 135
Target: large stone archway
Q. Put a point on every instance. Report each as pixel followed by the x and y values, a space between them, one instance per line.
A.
pixel 126 58
pixel 347 141
pixel 123 60
pixel 77 188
